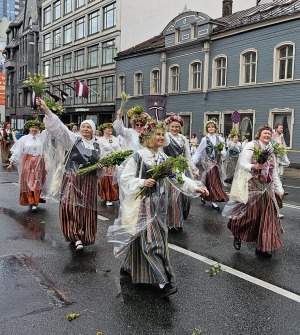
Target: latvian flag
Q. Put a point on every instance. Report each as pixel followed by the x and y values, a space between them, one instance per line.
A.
pixel 81 90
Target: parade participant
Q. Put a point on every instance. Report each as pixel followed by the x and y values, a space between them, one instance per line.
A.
pixel 278 138
pixel 244 141
pixel 234 148
pixel 107 190
pixel 253 206
pixel 141 228
pixel 78 198
pixel 193 143
pixel 210 150
pixel 138 119
pixel 28 156
pixel 7 140
pixel 177 145
pixel 75 129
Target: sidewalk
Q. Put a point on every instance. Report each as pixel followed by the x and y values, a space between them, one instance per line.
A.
pixel 291 173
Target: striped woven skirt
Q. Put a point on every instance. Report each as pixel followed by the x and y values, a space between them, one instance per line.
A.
pixel 214 186
pixel 260 223
pixel 107 190
pixel 147 259
pixel 178 208
pixel 32 180
pixel 78 208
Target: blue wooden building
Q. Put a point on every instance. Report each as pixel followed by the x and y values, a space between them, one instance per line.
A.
pixel 246 62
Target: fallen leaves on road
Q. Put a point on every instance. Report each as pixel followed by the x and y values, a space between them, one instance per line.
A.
pixel 72 316
pixel 214 270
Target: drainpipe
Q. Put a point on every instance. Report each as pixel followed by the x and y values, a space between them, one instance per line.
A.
pixel 163 60
pixel 206 50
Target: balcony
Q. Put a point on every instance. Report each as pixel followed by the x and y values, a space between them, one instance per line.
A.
pixel 10 64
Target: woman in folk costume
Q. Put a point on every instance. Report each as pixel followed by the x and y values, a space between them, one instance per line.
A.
pixel 28 156
pixel 232 156
pixel 254 197
pixel 107 190
pixel 209 152
pixel 141 228
pixel 78 198
pixel 7 138
pixel 130 136
pixel 177 145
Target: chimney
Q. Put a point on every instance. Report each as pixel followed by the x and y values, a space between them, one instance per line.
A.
pixel 227 7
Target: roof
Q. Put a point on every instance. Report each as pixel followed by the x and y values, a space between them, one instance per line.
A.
pixel 151 44
pixel 259 13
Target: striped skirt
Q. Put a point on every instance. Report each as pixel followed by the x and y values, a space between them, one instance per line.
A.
pixel 260 224
pixel 147 259
pixel 78 208
pixel 32 180
pixel 107 190
pixel 214 186
pixel 178 208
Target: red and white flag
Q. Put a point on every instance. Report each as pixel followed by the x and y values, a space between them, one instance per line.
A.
pixel 81 90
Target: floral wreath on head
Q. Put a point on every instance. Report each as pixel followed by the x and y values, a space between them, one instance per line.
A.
pixel 31 123
pixel 213 122
pixel 234 132
pixel 104 126
pixel 150 127
pixel 174 118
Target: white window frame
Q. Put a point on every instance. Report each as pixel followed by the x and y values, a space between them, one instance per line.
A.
pixel 47 42
pixel 243 66
pixel 276 63
pixel 138 83
pixel 214 71
pixel 290 111
pixel 171 77
pixel 191 75
pixel 153 80
pixel 121 84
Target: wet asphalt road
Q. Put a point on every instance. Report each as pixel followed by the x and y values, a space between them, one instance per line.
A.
pixel 42 280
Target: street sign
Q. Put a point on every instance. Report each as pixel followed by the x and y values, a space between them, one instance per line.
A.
pixel 235 117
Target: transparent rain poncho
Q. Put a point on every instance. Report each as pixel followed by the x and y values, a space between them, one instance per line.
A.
pixel 230 161
pixel 250 185
pixel 136 214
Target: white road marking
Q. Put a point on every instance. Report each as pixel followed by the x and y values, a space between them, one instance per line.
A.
pixel 291 206
pixel 239 274
pixel 103 218
pixel 16 184
pixel 291 186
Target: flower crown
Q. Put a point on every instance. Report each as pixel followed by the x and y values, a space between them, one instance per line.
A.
pixel 150 127
pixel 234 132
pixel 135 111
pixel 213 122
pixel 174 118
pixel 105 125
pixel 31 123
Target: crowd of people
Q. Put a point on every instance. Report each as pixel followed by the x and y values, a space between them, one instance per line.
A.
pixel 150 207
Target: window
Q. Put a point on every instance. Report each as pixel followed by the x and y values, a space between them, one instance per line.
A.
pixel 69 91
pixel 68 33
pixel 79 28
pixel 194 30
pixel 47 15
pixel 109 16
pixel 107 89
pixel 56 10
pixel 138 84
pixel 20 100
pixel 79 3
pixel 47 68
pixel 47 42
pixel 284 61
pixel 67 6
pixel 174 78
pixel 122 87
pixel 108 52
pixel 79 60
pixel 56 66
pixel 67 59
pixel 56 38
pixel 93 55
pixel 177 35
pixel 284 116
pixel 219 71
pixel 93 23
pixel 93 89
pixel 195 75
pixel 155 82
pixel 248 61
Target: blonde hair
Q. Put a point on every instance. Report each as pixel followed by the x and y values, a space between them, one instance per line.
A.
pixel 149 140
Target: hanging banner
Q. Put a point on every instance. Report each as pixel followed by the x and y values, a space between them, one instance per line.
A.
pixel 156 106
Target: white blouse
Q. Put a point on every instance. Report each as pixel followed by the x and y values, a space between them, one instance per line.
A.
pixel 129 134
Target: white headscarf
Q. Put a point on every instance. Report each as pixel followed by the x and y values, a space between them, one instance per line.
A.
pixel 92 124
